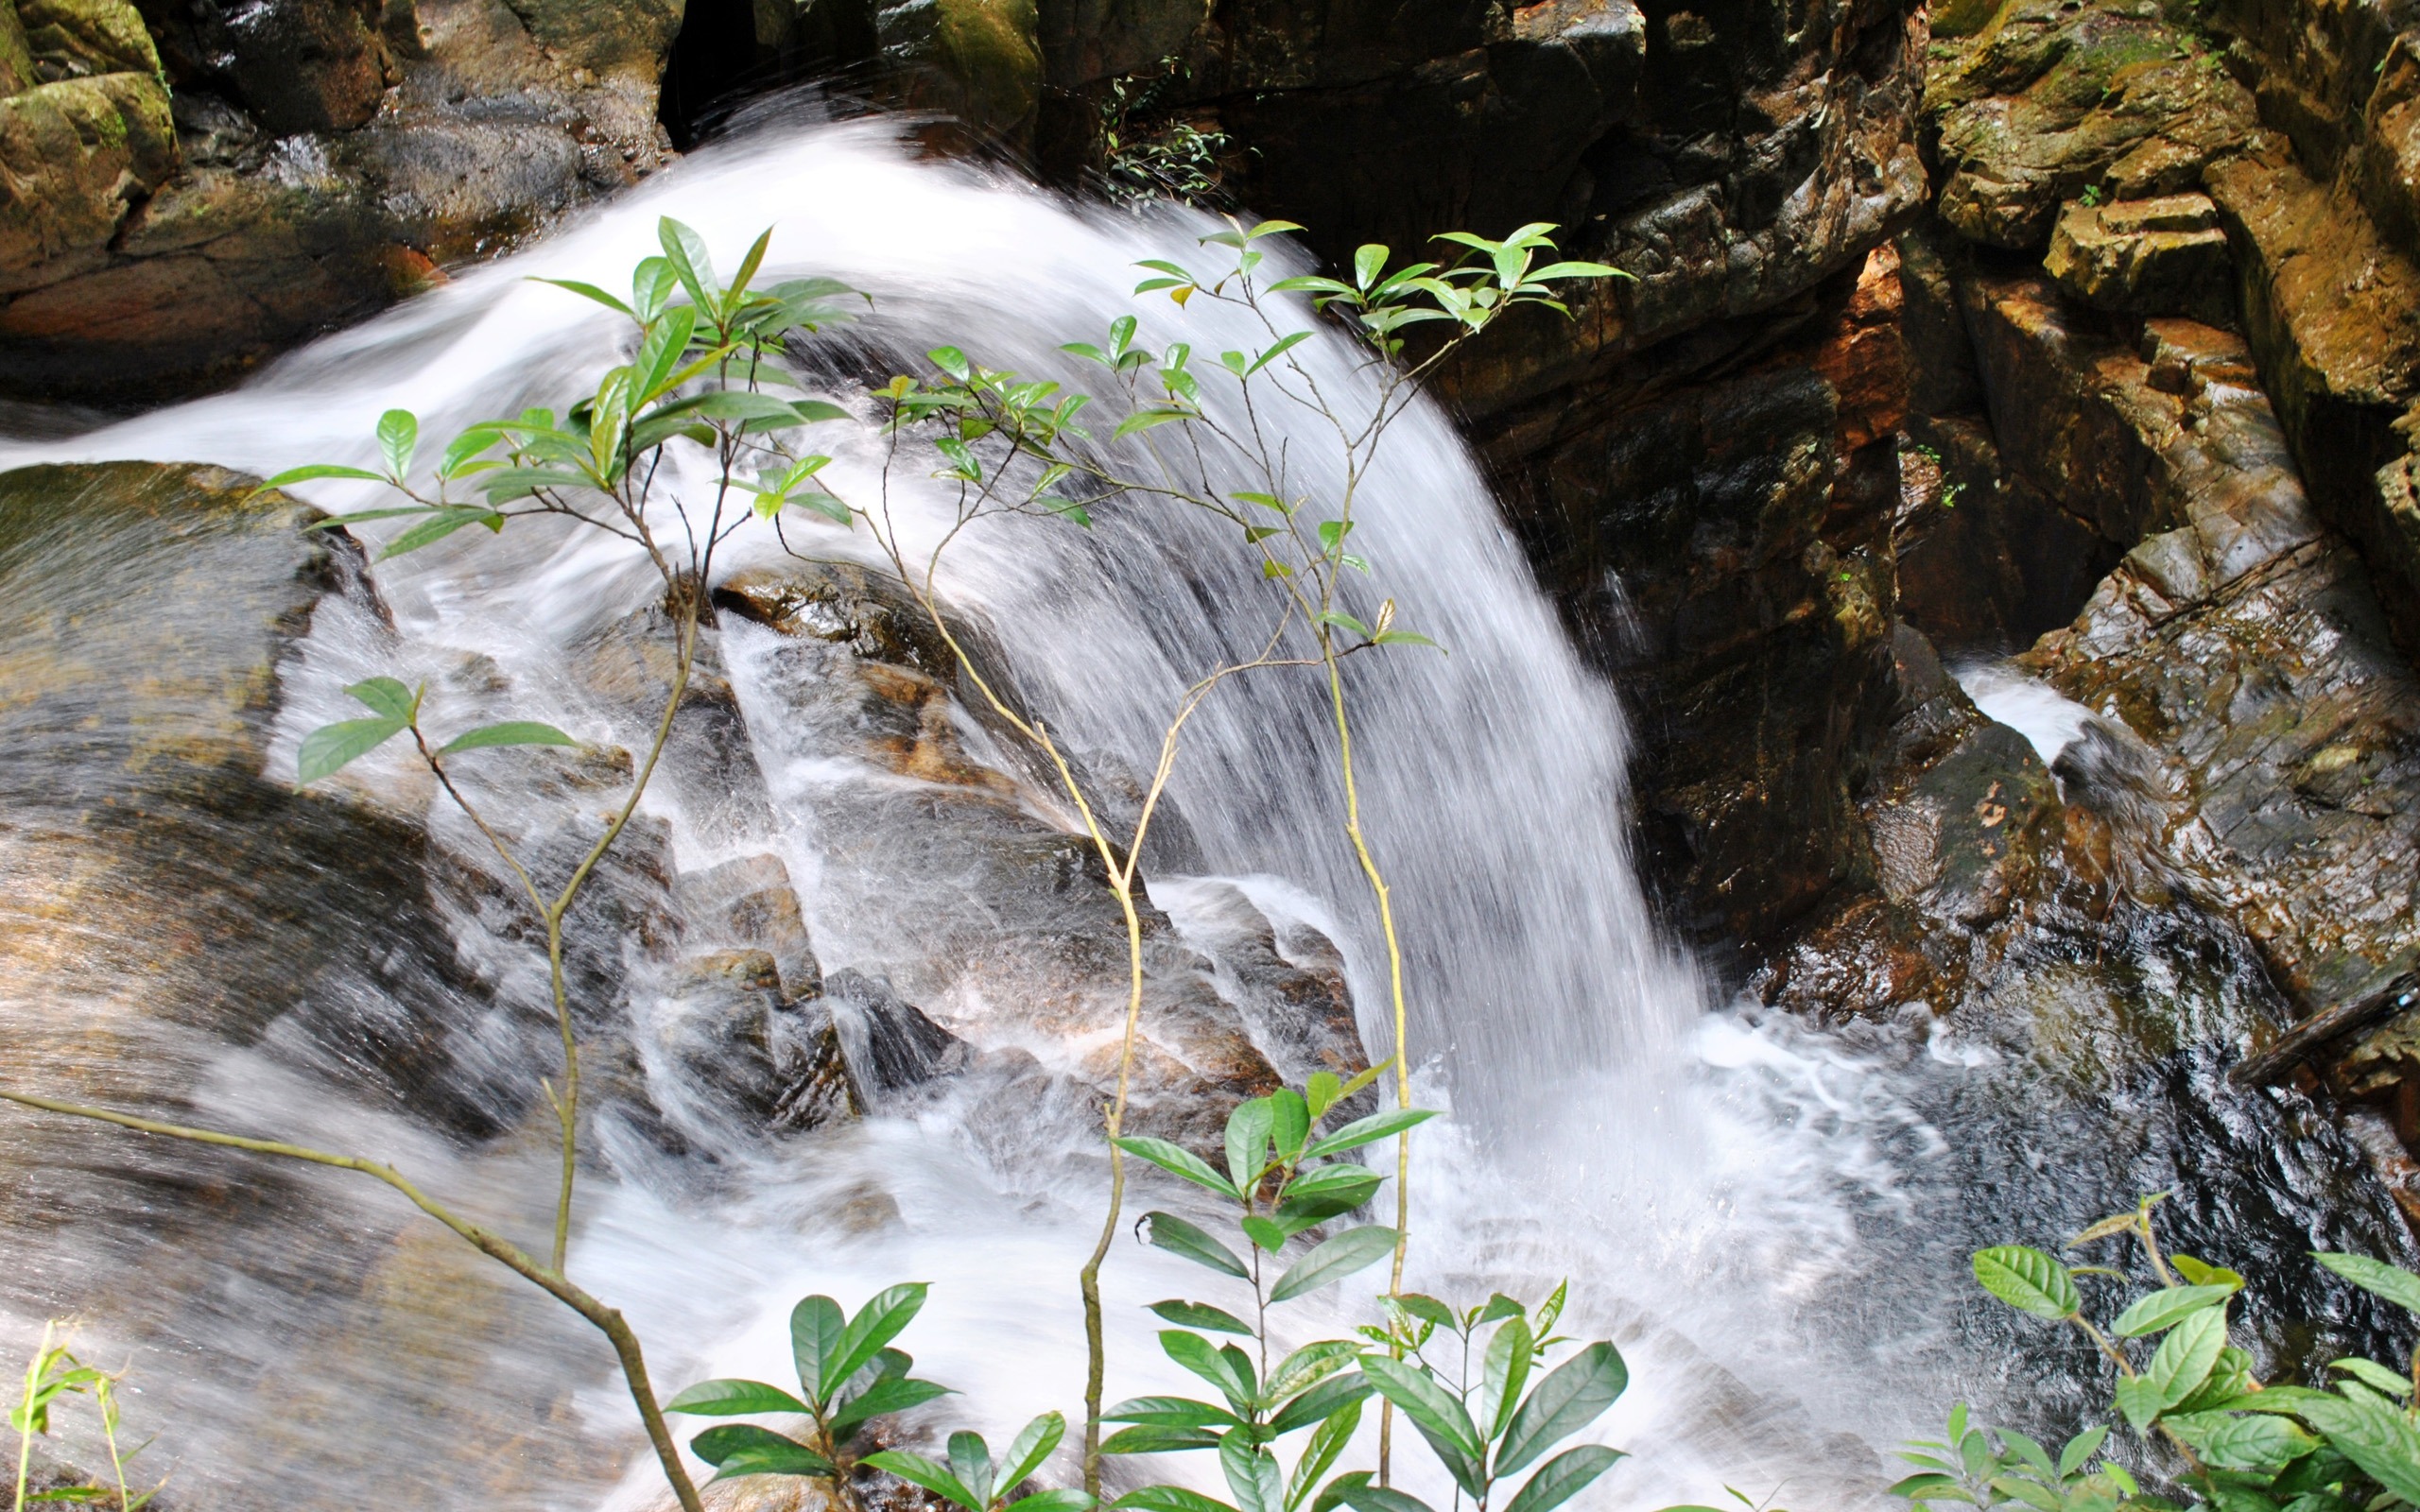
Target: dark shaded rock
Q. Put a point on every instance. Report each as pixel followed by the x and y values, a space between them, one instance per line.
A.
pixel 888 1044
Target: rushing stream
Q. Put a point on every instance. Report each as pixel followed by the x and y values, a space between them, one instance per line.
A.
pixel 1772 1217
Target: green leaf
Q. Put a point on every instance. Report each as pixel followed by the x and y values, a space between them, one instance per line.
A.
pixel 887 1394
pixel 2373 1435
pixel 319 470
pixel 441 523
pixel 1369 1130
pixel 1572 1396
pixel 2140 1400
pixel 1171 1412
pixel 1267 1235
pixel 1352 1251
pixel 2203 1274
pixel 1428 1309
pixel 2233 1443
pixel 587 291
pixel 1306 1366
pixel 1201 1315
pixel 1225 1368
pixel 747 266
pixel 1321 1402
pixel 876 1324
pixel 1276 349
pixel 2185 1357
pixel 1555 270
pixel 1031 1446
pixel 1343 621
pixel 816 1324
pixel 1143 420
pixel 330 748
pixel 389 697
pixel 918 1471
pixel 1321 1092
pixel 1434 1411
pixel 1327 1442
pixel 1344 1182
pixel 1165 1230
pixel 1153 1439
pixel 398 437
pixel 513 732
pixel 1290 1123
pixel 969 1460
pixel 1564 1477
pixel 661 349
pixel 2029 1281
pixel 2374 1375
pixel 2154 1310
pixel 1168 1499
pixel 953 361
pixel 1505 1373
pixel 744 1449
pixel 1248 1129
pixel 1252 1474
pixel 733 1398
pixel 2396 1285
pixel 1363 1497
pixel 1177 1160
pixel 1065 1499
pixel 2081 1448
pixel 686 251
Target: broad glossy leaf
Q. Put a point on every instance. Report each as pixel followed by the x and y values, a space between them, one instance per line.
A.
pixel 2154 1310
pixel 2185 1357
pixel 1504 1375
pixel 918 1471
pixel 744 1449
pixel 1572 1396
pixel 1168 1499
pixel 2254 1442
pixel 330 748
pixel 816 1324
pixel 1344 1184
pixel 1143 420
pixel 1363 1497
pixel 887 1394
pixel 2393 1282
pixel 2081 1448
pixel 1321 1092
pixel 1031 1446
pixel 440 523
pixel 2376 1376
pixel 1289 1122
pixel 1065 1499
pixel 2139 1401
pixel 1564 1477
pixel 1224 1366
pixel 1165 1231
pixel 661 349
pixel 587 291
pixel 686 251
pixel 2029 1281
pixel 1435 1412
pixel 747 266
pixel 1153 1439
pixel 1306 1366
pixel 1352 1251
pixel 1556 270
pixel 1327 1442
pixel 2373 1435
pixel 319 470
pixel 512 733
pixel 1428 1309
pixel 398 437
pixel 1266 1233
pixel 1171 1412
pixel 1368 1130
pixel 733 1398
pixel 1201 1315
pixel 1276 349
pixel 969 1460
pixel 1251 1474
pixel 1321 1403
pixel 876 1324
pixel 389 697
pixel 1177 1160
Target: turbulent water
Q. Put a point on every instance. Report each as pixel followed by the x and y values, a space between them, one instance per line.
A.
pixel 1771 1218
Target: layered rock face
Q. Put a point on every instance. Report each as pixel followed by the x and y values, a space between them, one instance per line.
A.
pixel 189 188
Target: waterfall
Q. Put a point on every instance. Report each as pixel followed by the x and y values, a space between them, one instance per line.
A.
pixel 1722 1188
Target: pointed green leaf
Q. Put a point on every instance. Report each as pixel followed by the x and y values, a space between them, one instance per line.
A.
pixel 1251 1474
pixel 2393 1282
pixel 1368 1130
pixel 1168 1499
pixel 885 1396
pixel 587 291
pixel 1248 1128
pixel 1564 1477
pixel 513 732
pixel 744 1449
pixel 1434 1411
pixel 1201 1315
pixel 733 1398
pixel 1065 1499
pixel 1225 1368
pixel 1153 1439
pixel 1352 1251
pixel 2185 1357
pixel 330 748
pixel 2154 1310
pixel 1165 1230
pixel 398 437
pixel 389 697
pixel 2029 1281
pixel 816 1324
pixel 876 1324
pixel 1031 1446
pixel 1362 1497
pixel 918 1471
pixel 1572 1396
pixel 440 523
pixel 1171 1412
pixel 1177 1160
pixel 686 252
pixel 319 470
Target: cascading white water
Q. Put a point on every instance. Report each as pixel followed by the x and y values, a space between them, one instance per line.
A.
pixel 1711 1183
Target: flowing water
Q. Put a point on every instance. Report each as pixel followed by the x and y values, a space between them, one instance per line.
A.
pixel 1770 1217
